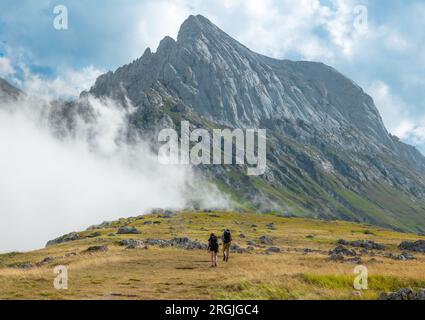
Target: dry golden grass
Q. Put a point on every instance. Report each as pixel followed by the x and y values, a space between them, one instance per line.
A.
pixel 171 273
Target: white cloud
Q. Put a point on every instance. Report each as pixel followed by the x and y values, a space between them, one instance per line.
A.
pixel 397 116
pixel 70 83
pixel 6 68
pixel 274 28
pixel 393 110
pixel 52 186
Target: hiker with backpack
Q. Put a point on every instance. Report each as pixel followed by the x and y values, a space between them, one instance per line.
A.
pixel 227 240
pixel 213 248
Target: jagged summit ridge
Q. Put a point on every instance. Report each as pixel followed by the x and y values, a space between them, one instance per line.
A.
pixel 220 78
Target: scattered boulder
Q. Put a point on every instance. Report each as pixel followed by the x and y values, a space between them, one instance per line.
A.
pixel 131 243
pixel 254 226
pixel 273 250
pixel 237 249
pixel 103 225
pixel 94 249
pixel 128 230
pixel 404 256
pixel 147 222
pixel 418 246
pixel 45 261
pixel 73 236
pixel 357 293
pixel 337 257
pixel 70 254
pixel 181 242
pixel 186 243
pixel 343 251
pixel 242 236
pixel 366 244
pixel 366 252
pixel 271 226
pixel 339 253
pixel 94 235
pixel 404 294
pixel 168 214
pixel 266 240
pixel 22 265
pixel 310 236
pixel 157 242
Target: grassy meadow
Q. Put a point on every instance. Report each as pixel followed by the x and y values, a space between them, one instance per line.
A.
pixel 174 273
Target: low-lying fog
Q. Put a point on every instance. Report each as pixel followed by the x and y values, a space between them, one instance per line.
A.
pixel 51 186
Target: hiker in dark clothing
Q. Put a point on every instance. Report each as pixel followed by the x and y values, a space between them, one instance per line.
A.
pixel 227 240
pixel 213 248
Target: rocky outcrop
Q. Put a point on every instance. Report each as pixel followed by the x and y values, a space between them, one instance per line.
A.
pixel 343 254
pixel 182 242
pixel 418 246
pixel 343 250
pixel 128 230
pixel 366 244
pixel 73 236
pixel 404 294
pixel 103 225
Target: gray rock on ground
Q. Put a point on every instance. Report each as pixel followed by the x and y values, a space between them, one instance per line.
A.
pixel 94 249
pixel 343 250
pixel 418 246
pixel 404 294
pixel 273 250
pixel 73 236
pixel 366 244
pixel 128 230
pixel 266 240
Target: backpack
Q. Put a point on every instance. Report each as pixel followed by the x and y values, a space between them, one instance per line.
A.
pixel 213 242
pixel 227 237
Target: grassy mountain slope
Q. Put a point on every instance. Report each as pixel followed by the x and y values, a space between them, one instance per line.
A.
pixel 175 273
pixel 303 188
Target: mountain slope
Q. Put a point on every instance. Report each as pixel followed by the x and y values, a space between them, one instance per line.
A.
pixel 8 92
pixel 329 154
pixel 118 266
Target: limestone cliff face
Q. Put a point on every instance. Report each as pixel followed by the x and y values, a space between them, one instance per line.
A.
pixel 329 153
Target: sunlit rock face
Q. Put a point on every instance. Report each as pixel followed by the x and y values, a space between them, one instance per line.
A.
pixel 329 153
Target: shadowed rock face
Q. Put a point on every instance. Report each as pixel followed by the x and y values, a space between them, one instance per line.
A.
pixel 8 92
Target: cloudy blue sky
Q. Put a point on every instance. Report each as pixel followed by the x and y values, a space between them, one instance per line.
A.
pixel 384 53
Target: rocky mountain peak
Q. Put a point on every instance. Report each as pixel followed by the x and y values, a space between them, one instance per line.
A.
pixel 195 26
pixel 329 146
